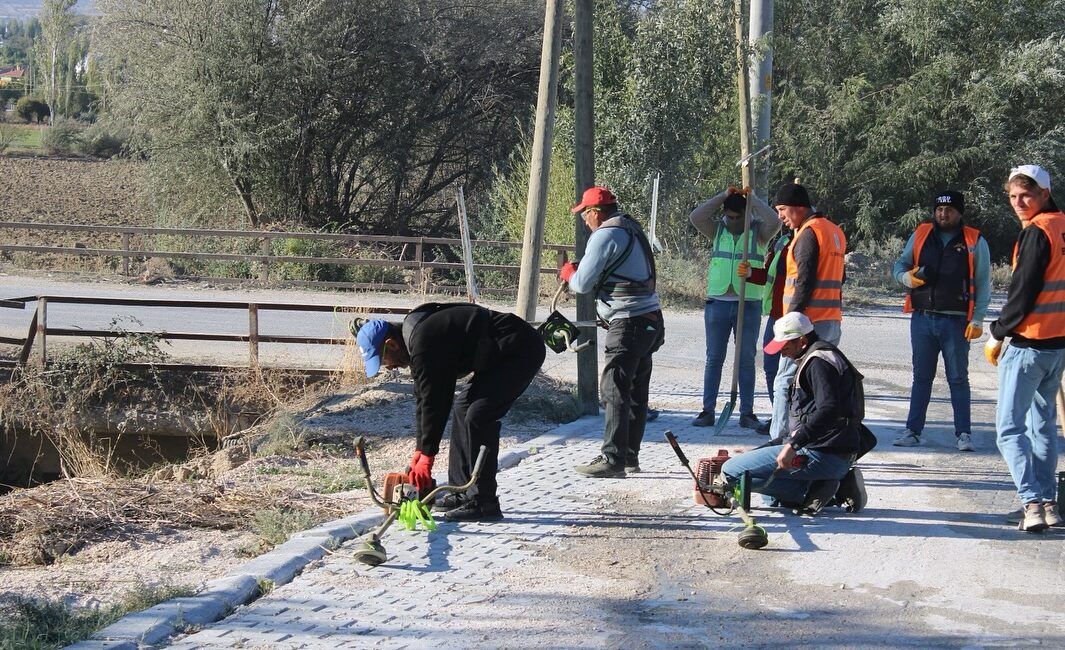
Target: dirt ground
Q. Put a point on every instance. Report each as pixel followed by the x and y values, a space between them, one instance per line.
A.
pixel 133 554
pixel 70 190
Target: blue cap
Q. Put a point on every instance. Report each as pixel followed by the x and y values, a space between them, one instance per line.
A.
pixel 370 338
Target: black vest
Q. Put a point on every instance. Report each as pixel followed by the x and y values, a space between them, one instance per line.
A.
pixel 946 274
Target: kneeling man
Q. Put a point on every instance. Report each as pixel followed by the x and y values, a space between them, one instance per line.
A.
pixel 812 466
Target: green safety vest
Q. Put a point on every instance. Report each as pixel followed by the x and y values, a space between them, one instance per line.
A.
pixel 725 258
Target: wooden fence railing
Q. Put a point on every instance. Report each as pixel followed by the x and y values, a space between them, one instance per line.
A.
pixel 39 330
pixel 266 258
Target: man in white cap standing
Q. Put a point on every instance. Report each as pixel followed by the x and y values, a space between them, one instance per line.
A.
pixel 1029 371
pixel 813 467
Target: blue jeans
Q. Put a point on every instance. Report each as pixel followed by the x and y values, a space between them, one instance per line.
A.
pixel 790 485
pixel 1028 382
pixel 827 330
pixel 719 318
pixel 770 362
pixel 930 335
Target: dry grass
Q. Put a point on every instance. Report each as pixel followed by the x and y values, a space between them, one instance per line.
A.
pixel 41 525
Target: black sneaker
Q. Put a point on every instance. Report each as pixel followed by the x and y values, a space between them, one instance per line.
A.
pixel 601 468
pixel 749 421
pixel 818 496
pixel 704 419
pixel 473 511
pixel 851 493
pixel 449 501
pixel 632 466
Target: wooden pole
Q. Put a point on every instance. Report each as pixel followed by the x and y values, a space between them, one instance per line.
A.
pixel 540 167
pixel 584 157
pixel 42 328
pixel 253 336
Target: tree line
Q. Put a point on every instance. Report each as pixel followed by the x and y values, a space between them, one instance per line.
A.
pixel 365 117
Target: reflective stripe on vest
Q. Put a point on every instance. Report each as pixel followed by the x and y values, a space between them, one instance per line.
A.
pixel 726 258
pixel 972 236
pixel 1047 318
pixel 826 303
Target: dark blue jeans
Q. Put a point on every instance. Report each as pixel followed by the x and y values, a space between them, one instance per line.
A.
pixel 932 335
pixel 630 342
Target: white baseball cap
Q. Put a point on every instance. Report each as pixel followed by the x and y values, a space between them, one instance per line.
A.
pixel 1034 172
pixel 788 327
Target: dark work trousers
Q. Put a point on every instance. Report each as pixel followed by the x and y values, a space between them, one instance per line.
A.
pixel 478 409
pixel 630 342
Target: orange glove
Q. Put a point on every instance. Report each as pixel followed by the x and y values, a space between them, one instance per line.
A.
pixel 732 189
pixel 743 270
pixel 421 471
pixel 567 271
pixel 973 331
pixel 911 280
pixel 992 350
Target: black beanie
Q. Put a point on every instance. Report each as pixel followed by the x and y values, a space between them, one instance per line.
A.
pixel 949 197
pixel 735 203
pixel 793 194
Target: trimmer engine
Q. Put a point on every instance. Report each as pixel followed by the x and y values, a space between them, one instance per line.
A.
pixel 708 473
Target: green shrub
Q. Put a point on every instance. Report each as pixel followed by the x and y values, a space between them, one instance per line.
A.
pixel 62 137
pixel 101 141
pixel 274 526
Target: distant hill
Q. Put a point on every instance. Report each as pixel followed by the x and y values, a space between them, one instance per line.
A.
pixel 29 8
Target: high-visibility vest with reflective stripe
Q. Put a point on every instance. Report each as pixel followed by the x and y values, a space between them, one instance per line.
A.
pixel 1047 318
pixel 826 303
pixel 726 258
pixel 972 235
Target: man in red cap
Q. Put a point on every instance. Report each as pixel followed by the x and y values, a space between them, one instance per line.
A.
pixel 619 267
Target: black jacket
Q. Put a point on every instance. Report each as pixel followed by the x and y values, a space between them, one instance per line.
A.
pixel 821 399
pixel 447 341
pixel 1033 256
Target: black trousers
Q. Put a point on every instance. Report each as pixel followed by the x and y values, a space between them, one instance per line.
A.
pixel 630 342
pixel 478 409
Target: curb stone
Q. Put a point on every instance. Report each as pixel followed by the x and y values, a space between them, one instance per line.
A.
pixel 281 565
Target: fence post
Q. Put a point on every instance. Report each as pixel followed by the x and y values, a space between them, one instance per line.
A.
pixel 125 259
pixel 265 250
pixel 42 327
pixel 419 249
pixel 253 335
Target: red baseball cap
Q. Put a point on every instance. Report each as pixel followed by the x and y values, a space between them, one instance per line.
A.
pixel 594 196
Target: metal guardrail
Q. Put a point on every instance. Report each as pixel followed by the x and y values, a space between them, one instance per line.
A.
pixel 266 258
pixel 39 331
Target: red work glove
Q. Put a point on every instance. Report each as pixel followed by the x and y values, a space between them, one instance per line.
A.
pixel 567 271
pixel 732 189
pixel 421 471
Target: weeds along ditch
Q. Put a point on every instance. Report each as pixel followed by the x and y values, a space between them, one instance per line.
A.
pixel 103 409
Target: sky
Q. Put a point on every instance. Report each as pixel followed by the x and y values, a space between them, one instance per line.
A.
pixel 29 8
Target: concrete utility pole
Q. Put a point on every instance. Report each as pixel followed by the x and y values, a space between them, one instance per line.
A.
pixel 760 38
pixel 741 94
pixel 584 155
pixel 529 280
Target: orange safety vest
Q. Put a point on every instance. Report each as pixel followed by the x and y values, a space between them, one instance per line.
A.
pixel 972 235
pixel 1047 318
pixel 826 303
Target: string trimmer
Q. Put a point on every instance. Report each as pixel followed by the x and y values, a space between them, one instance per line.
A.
pixel 713 492
pixel 558 332
pixel 401 500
